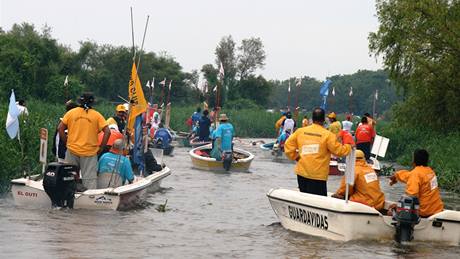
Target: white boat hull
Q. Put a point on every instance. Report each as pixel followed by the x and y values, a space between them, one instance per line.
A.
pixel 30 193
pixel 337 220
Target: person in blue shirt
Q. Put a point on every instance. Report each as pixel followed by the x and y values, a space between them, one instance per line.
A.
pixel 196 116
pixel 164 135
pixel 282 138
pixel 205 123
pixel 224 134
pixel 108 161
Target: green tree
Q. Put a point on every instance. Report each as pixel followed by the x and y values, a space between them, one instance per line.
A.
pixel 251 56
pixel 420 45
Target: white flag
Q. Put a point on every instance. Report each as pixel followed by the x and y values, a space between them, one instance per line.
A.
pixel 289 86
pixel 333 91
pixel 215 88
pixel 12 121
pixel 153 83
pixel 205 86
pixel 351 91
pixel 376 94
pixel 350 169
pixel 221 71
pixel 66 81
pixel 163 82
pixel 148 84
pixel 170 82
pixel 299 82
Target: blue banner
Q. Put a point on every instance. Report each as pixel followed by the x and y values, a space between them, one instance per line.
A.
pixel 138 154
pixel 324 90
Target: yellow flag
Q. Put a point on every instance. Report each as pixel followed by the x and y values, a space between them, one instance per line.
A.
pixel 138 103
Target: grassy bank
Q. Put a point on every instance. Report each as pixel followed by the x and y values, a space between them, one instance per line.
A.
pixel 443 149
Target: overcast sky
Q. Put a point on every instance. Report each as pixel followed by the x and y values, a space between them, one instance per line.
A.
pixel 317 38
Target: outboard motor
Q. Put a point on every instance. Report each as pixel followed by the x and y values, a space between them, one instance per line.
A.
pixel 406 217
pixel 227 157
pixel 60 184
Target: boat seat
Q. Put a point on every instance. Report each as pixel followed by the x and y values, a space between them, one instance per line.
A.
pixel 103 180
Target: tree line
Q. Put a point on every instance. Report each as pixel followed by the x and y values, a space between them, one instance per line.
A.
pixel 35 65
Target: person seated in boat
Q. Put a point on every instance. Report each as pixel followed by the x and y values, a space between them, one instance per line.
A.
pixel 204 123
pixel 366 188
pixel 119 119
pixel 282 139
pixel 288 123
pixel 312 147
pixel 224 136
pixel 164 135
pixel 114 162
pixel 421 182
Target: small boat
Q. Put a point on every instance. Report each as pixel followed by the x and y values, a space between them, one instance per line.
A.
pixel 336 219
pixel 195 142
pixel 29 192
pixel 267 146
pixel 200 159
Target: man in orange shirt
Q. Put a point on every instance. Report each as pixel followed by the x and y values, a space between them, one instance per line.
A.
pixel 364 137
pixel 84 124
pixel 366 188
pixel 312 147
pixel 421 182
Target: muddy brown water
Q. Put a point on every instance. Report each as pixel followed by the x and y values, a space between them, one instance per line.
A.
pixel 224 215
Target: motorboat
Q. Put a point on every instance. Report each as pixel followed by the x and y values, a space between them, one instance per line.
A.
pixel 342 220
pixel 201 159
pixel 30 192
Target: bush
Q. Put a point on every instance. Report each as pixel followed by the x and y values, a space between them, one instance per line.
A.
pixel 443 150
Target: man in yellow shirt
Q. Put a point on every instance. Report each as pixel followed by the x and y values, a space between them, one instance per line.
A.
pixel 421 182
pixel 312 147
pixel 83 124
pixel 366 188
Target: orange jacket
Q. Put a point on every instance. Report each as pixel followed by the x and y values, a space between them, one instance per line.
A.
pixel 364 133
pixel 366 189
pixel 422 183
pixel 279 122
pixel 313 146
pixel 346 137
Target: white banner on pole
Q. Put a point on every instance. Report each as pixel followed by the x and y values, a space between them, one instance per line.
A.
pixel 350 169
pixel 379 148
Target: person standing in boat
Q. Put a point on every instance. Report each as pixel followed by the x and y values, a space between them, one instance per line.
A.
pixel 312 147
pixel 224 134
pixel 334 125
pixel 421 182
pixel 366 188
pixel 364 137
pixel 119 119
pixel 114 162
pixel 205 124
pixel 305 121
pixel 83 124
pixel 347 124
pixel 288 123
pixel 59 147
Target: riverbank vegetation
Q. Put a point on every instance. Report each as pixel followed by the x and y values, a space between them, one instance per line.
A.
pixel 418 90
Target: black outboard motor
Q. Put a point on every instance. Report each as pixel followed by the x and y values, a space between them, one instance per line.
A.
pixel 227 159
pixel 60 183
pixel 406 217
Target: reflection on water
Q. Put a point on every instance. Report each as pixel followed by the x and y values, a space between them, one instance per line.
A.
pixel 208 215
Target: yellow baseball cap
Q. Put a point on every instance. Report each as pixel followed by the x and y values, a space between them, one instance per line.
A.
pixel 331 115
pixel 359 154
pixel 121 108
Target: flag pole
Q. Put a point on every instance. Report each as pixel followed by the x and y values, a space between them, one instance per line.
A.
pixel 289 95
pixel 373 105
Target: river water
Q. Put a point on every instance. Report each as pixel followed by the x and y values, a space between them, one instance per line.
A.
pixel 224 215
